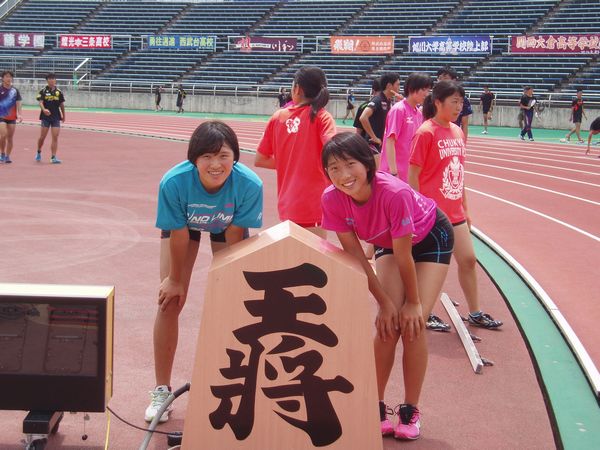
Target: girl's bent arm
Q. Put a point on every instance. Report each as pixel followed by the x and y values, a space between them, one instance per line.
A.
pixel 387 319
pixel 411 313
pixel 261 160
pixel 233 234
pixel 172 287
pixel 413 176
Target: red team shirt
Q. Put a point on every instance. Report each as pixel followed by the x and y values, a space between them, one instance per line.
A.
pixel 296 144
pixel 440 153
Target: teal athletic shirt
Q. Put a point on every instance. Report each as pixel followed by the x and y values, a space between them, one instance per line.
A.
pixel 183 201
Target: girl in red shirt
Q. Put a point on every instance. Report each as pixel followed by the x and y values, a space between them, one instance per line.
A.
pixel 437 171
pixel 292 145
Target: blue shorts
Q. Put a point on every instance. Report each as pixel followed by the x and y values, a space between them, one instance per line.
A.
pixel 50 123
pixel 195 235
pixel 436 247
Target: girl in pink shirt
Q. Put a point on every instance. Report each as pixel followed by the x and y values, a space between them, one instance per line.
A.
pixel 437 171
pixel 410 236
pixel 403 120
pixel 292 145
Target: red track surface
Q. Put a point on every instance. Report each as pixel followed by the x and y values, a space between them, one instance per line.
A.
pixel 90 221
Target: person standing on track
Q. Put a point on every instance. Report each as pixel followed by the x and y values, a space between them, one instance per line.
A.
pixel 447 73
pixel 413 241
pixel 375 90
pixel 403 120
pixel 577 115
pixel 292 145
pixel 487 101
pixel 10 114
pixel 52 104
pixel 594 129
pixel 209 192
pixel 181 95
pixel 527 105
pixel 349 105
pixel 437 171
pixel 374 115
pixel 157 98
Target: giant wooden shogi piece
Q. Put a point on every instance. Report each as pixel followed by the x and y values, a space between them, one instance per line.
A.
pixel 285 354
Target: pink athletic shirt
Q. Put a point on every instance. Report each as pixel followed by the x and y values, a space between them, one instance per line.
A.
pixel 402 122
pixel 394 210
pixel 440 153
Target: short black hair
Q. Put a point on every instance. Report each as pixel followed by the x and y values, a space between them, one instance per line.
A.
pixel 447 70
pixel 376 85
pixel 388 78
pixel 441 91
pixel 417 81
pixel 209 137
pixel 8 72
pixel 579 89
pixel 51 76
pixel 348 145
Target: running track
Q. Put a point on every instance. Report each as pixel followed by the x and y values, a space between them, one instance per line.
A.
pixel 540 201
pixel 96 213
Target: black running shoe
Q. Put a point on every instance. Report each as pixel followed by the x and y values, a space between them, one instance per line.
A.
pixel 484 321
pixel 436 324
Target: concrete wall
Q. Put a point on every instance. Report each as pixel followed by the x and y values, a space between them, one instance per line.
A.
pixel 552 117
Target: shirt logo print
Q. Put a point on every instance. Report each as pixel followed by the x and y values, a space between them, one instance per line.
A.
pixel 292 125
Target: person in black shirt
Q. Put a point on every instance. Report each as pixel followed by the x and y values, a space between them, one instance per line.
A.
pixel 577 115
pixel 283 97
pixel 375 90
pixel 486 101
pixel 181 94
pixel 594 129
pixel 10 114
pixel 527 104
pixel 349 105
pixel 158 97
pixel 52 104
pixel 373 116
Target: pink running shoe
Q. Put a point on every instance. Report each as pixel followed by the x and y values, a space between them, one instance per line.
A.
pixel 409 425
pixel 387 428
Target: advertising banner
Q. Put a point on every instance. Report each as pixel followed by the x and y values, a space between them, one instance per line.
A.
pixel 266 44
pixel 556 43
pixel 22 40
pixel 79 41
pixel 182 42
pixel 362 45
pixel 450 44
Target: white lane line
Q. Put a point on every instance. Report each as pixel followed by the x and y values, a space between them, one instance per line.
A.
pixel 537 165
pixel 538 213
pixel 534 173
pixel 471 150
pixel 533 151
pixel 536 187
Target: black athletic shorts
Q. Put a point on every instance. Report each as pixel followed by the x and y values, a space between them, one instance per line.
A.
pixel 8 121
pixel 437 245
pixel 195 235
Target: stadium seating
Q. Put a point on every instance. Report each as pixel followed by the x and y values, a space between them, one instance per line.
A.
pixel 313 21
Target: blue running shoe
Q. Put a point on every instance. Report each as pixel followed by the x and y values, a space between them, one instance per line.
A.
pixel 38 156
pixel 55 160
pixel 7 160
pixel 2 157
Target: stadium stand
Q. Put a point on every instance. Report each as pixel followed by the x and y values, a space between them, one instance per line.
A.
pixel 313 22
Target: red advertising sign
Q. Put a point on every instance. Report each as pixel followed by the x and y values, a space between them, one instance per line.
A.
pixel 362 45
pixel 84 41
pixel 556 43
pixel 22 40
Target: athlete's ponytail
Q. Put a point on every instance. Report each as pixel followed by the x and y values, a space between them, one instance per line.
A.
pixel 429 109
pixel 313 82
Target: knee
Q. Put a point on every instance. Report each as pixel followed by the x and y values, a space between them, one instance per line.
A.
pixel 467 262
pixel 171 312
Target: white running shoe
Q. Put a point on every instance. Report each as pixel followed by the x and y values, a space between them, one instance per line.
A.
pixel 157 398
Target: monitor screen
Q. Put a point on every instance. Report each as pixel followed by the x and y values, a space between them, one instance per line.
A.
pixel 56 347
